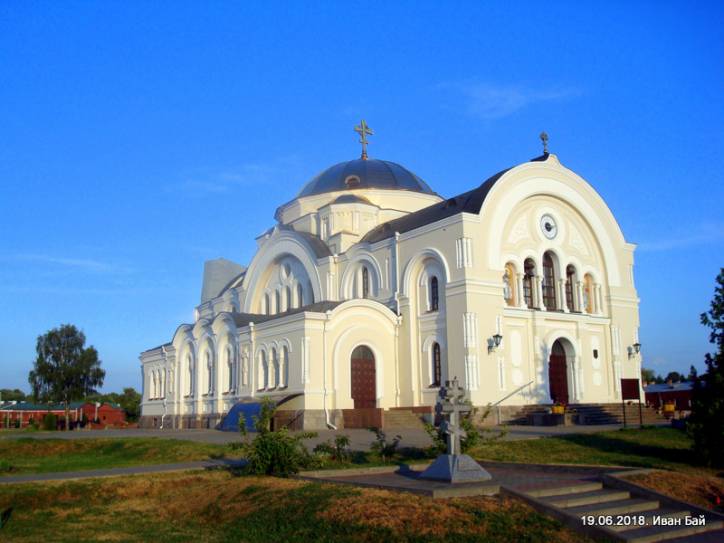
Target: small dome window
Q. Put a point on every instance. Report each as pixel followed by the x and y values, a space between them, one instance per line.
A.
pixel 352 181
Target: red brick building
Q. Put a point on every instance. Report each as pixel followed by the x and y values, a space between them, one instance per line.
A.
pixel 22 414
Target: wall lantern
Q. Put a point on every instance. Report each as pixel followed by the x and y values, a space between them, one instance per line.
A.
pixel 494 342
pixel 634 350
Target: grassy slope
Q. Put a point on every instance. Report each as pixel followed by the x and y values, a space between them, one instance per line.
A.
pixel 28 455
pixel 663 448
pixel 216 506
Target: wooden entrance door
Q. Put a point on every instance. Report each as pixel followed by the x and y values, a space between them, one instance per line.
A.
pixel 558 374
pixel 363 378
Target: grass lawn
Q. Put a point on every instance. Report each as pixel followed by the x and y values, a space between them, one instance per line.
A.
pixel 217 506
pixel 662 448
pixel 27 455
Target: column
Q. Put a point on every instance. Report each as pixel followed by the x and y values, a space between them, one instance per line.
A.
pixel 579 297
pixel 561 295
pixel 538 300
pixel 519 290
pixel 598 298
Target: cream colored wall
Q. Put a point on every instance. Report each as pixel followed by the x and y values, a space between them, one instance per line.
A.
pixel 468 253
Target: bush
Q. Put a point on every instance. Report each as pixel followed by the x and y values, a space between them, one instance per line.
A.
pixel 338 452
pixel 275 452
pixel 381 447
pixel 278 453
pixel 474 438
pixel 6 467
pixel 50 422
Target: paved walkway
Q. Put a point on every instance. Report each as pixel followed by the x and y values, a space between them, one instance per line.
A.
pixel 360 438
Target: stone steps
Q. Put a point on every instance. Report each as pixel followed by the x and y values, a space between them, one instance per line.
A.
pixel 618 514
pixel 401 418
pixel 594 414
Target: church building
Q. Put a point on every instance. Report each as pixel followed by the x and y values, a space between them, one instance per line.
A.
pixel 371 290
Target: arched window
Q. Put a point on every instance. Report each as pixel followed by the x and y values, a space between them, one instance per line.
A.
pixel 278 302
pixel 509 284
pixel 274 377
pixel 284 370
pixel 311 294
pixel 267 304
pixel 588 293
pixel 549 283
pixel 288 301
pixel 436 365
pixel 300 295
pixel 570 282
pixel 264 367
pixel 434 294
pixel 152 385
pixel 528 278
pixel 365 282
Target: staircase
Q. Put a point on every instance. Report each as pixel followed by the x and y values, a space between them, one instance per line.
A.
pixel 521 416
pixel 401 418
pixel 615 514
pixel 613 413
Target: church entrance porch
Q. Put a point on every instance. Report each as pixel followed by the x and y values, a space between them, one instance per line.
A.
pixel 363 378
pixel 558 374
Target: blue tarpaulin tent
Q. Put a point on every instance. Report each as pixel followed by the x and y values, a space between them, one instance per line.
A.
pixel 230 423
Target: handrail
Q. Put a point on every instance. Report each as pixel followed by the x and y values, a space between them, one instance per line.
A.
pixel 511 394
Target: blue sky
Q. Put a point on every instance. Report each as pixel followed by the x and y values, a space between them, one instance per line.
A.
pixel 139 139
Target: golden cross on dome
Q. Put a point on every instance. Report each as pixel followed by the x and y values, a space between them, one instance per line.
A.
pixel 544 138
pixel 363 130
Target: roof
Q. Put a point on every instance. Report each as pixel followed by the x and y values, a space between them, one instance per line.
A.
pixel 318 246
pixel 28 406
pixel 365 174
pixel 243 319
pixel 684 386
pixel 468 202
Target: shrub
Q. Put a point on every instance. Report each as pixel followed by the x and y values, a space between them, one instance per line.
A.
pixel 278 453
pixel 339 451
pixel 275 452
pixel 5 466
pixel 381 447
pixel 475 436
pixel 50 421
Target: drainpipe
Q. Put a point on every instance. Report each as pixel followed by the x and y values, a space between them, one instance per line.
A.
pixel 324 372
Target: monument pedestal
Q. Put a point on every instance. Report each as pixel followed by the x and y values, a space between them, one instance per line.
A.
pixel 456 468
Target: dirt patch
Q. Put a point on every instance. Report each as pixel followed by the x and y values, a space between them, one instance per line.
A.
pixel 702 490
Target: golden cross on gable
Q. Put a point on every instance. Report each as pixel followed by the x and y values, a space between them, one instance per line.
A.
pixel 363 130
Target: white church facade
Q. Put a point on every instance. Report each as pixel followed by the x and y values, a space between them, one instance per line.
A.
pixel 371 290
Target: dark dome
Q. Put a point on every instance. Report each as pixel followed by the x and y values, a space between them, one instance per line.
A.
pixel 365 174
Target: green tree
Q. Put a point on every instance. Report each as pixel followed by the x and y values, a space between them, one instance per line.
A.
pixel 14 395
pixel 65 370
pixel 647 375
pixel 130 401
pixel 706 424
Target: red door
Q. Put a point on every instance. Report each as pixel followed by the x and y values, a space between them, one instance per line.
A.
pixel 363 378
pixel 558 374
